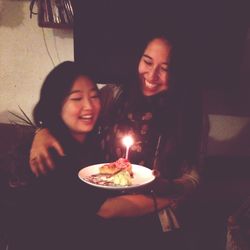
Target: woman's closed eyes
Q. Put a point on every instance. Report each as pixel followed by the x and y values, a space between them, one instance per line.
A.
pixel 78 96
pixel 148 61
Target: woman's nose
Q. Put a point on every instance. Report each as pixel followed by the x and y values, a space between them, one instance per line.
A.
pixel 87 104
pixel 153 74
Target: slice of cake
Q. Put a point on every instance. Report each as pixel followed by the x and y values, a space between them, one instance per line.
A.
pixel 116 166
pixel 120 172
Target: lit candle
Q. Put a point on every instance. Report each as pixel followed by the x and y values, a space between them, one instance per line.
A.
pixel 127 141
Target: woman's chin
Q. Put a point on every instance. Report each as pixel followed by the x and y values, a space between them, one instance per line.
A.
pixel 85 129
pixel 150 92
pixel 153 91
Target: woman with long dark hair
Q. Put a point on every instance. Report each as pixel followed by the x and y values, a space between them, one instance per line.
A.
pixel 55 210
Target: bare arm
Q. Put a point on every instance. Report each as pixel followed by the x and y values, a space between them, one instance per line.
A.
pixel 167 194
pixel 40 159
pixel 131 205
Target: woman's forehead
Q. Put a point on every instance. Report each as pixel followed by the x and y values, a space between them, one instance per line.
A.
pixel 83 83
pixel 158 48
pixel 158 43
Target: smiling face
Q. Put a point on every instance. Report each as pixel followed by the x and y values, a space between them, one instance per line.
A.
pixel 153 67
pixel 81 108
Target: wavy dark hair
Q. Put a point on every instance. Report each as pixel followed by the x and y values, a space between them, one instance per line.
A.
pixel 169 40
pixel 55 89
pixel 133 88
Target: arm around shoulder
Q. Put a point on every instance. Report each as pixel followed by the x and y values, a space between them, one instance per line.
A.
pixel 131 205
pixel 40 159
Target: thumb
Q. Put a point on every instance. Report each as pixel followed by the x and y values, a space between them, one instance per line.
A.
pixel 58 148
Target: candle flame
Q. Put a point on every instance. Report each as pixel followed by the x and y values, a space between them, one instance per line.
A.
pixel 128 141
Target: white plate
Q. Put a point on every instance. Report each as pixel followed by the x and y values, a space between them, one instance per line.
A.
pixel 142 176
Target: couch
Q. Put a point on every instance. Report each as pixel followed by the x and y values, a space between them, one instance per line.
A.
pixel 10 135
pixel 226 176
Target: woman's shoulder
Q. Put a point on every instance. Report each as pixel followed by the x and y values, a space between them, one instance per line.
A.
pixel 110 91
pixel 110 96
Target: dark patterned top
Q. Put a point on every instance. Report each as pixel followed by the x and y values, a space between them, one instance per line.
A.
pixel 158 128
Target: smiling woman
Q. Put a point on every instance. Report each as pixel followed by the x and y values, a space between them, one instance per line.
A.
pixel 149 109
pixel 153 67
pixel 69 105
pixel 81 108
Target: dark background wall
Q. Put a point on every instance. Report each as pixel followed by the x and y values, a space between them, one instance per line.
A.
pixel 212 39
pixel 211 34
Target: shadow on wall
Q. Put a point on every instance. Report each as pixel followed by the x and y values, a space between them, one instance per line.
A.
pixel 10 9
pixel 229 136
pixel 63 33
pixel 4 116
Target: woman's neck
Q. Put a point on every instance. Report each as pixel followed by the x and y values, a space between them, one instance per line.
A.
pixel 79 137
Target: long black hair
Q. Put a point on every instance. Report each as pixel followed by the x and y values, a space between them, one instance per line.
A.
pixel 55 89
pixel 133 88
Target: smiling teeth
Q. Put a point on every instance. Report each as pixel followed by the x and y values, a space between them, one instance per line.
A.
pixel 87 117
pixel 150 85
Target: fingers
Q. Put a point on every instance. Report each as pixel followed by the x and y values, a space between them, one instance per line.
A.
pixel 47 161
pixel 40 158
pixel 35 168
pixel 40 165
pixel 156 173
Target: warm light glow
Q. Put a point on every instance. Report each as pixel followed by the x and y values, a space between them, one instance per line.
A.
pixel 127 141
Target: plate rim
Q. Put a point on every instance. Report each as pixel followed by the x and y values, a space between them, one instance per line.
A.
pixel 115 187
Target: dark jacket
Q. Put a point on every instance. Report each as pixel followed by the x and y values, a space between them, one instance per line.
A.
pixel 167 134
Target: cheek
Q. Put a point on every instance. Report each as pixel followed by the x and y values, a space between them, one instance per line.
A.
pixel 141 73
pixel 164 79
pixel 67 111
pixel 97 106
pixel 141 68
pixel 64 114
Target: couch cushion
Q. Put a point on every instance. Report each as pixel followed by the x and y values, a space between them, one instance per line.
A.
pixel 10 137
